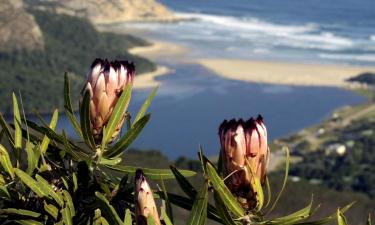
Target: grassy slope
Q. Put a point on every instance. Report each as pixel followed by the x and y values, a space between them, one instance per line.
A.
pixel 71 44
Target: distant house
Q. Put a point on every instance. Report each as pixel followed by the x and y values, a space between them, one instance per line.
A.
pixel 335 149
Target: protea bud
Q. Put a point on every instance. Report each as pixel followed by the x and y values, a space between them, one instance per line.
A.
pixel 245 156
pixel 105 82
pixel 144 201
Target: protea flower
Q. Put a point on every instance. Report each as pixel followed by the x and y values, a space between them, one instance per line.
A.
pixel 144 201
pixel 245 156
pixel 105 82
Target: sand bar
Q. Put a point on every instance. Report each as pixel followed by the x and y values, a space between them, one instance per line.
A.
pixel 159 50
pixel 147 80
pixel 284 73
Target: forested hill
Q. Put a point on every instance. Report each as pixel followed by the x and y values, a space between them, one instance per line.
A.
pixel 70 44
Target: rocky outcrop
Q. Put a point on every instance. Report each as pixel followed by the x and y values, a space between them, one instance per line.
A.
pixel 18 29
pixel 108 11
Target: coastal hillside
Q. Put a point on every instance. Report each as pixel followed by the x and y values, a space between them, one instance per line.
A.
pixel 18 28
pixel 104 12
pixel 69 44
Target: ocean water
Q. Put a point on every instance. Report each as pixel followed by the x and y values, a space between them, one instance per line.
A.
pixel 318 31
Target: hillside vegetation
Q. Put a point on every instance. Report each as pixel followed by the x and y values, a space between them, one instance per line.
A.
pixel 70 44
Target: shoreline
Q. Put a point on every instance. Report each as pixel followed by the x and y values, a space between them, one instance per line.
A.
pixel 284 73
pixel 154 51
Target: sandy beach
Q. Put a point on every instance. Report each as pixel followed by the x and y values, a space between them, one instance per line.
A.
pixel 152 52
pixel 283 72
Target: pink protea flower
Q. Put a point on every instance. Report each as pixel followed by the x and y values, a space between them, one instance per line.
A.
pixel 105 82
pixel 245 154
pixel 144 201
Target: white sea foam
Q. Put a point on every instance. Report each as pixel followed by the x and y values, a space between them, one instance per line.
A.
pixel 307 36
pixel 351 57
pixel 372 37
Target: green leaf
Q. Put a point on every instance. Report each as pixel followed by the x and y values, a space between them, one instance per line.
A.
pixel 165 217
pixel 369 219
pixel 184 183
pixel 85 121
pixel 31 183
pixel 167 203
pixel 150 221
pixel 68 106
pixel 28 222
pixel 52 125
pixel 226 196
pixel 51 210
pixel 128 138
pixel 145 105
pixel 69 202
pixel 284 182
pixel 4 193
pixel 5 127
pixel 128 218
pixel 341 220
pixel 5 161
pixel 269 192
pixel 198 213
pixel 293 218
pixel 97 217
pixel 150 173
pixel 108 211
pixel 223 210
pixel 46 187
pixel 21 212
pixel 117 113
pixel 66 216
pixel 17 124
pixel 112 162
pixel 187 203
pixel 32 157
pixel 327 219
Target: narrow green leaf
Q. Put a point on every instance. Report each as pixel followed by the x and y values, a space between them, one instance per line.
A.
pixel 68 106
pixel 284 182
pixel 28 222
pixel 223 210
pixel 5 161
pixel 4 193
pixel 128 138
pixel 293 218
pixel 52 125
pixel 187 203
pixel 69 202
pixel 167 203
pixel 17 124
pixel 150 173
pixel 97 217
pixel 198 213
pixel 128 218
pixel 327 219
pixel 31 183
pixel 85 121
pixel 165 217
pixel 66 216
pixel 46 187
pixel 269 192
pixel 117 113
pixel 184 183
pixel 226 196
pixel 51 210
pixel 341 220
pixel 5 127
pixel 368 219
pixel 112 162
pixel 150 221
pixel 145 105
pixel 32 157
pixel 21 212
pixel 108 211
